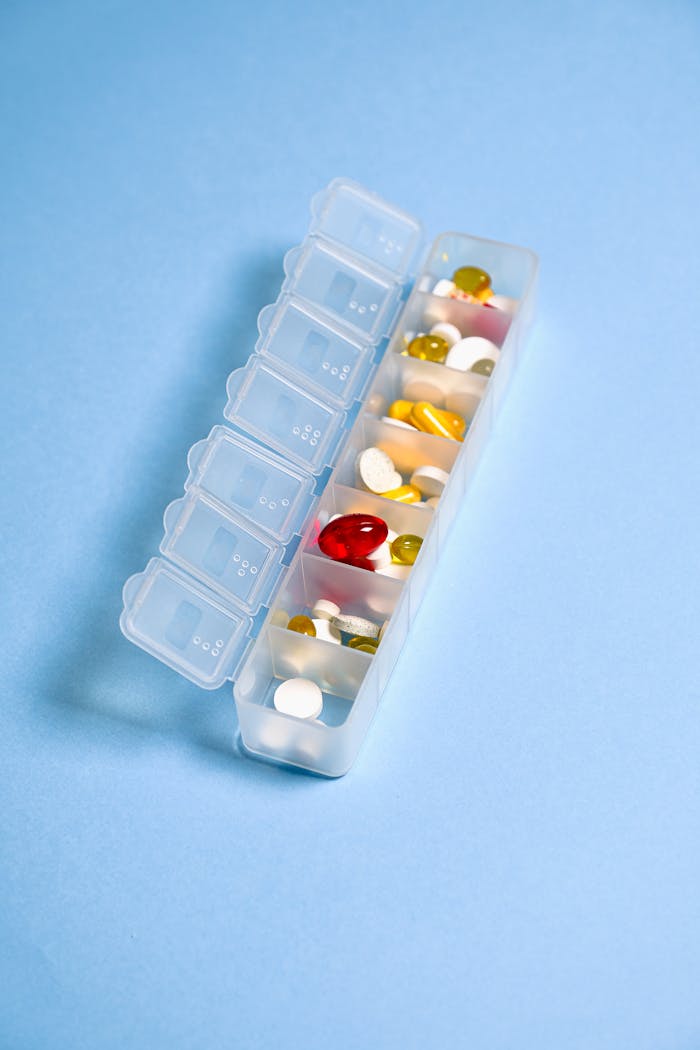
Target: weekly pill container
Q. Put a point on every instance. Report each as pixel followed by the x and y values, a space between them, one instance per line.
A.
pixel 239 552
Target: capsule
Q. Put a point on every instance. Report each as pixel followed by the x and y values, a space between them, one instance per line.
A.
pixel 365 645
pixel 302 625
pixel 351 537
pixel 429 348
pixel 432 420
pixel 405 549
pixel 400 410
pixel 403 494
pixel 472 280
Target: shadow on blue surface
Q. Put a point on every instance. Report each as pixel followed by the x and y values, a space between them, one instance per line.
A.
pixel 102 685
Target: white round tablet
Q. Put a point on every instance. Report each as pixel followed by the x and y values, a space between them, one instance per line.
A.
pixel 299 697
pixel 430 480
pixel 356 625
pixel 324 609
pixel 376 470
pixel 420 390
pixel 468 351
pixel 449 332
pixel 381 557
pixel 503 302
pixel 444 288
pixel 325 631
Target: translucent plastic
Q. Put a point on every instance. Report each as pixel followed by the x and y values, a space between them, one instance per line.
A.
pixel 239 551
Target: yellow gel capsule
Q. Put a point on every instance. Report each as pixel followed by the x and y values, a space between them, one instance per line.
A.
pixel 484 295
pixel 432 420
pixel 400 410
pixel 405 549
pixel 484 367
pixel 365 645
pixel 429 348
pixel 302 625
pixel 453 420
pixel 472 280
pixel 403 494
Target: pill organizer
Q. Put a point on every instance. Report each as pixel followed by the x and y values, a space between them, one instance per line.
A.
pixel 239 554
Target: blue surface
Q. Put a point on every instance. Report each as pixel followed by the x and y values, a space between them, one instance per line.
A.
pixel 514 861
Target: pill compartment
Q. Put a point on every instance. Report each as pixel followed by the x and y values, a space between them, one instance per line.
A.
pixel 252 481
pixel 409 449
pixel 224 551
pixel 332 361
pixel 407 378
pixel 351 291
pixel 512 269
pixel 472 319
pixel 268 404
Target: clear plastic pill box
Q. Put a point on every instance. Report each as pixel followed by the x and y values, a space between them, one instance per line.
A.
pixel 239 553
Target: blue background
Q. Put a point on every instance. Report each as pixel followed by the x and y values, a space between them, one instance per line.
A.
pixel 514 860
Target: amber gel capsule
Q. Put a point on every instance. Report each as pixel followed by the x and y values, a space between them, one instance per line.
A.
pixel 405 549
pixel 472 280
pixel 302 625
pixel 429 348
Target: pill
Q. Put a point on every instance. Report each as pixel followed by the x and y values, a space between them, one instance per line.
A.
pixel 382 556
pixel 444 288
pixel 483 367
pixel 382 630
pixel 302 625
pixel 279 618
pixel 405 549
pixel 363 645
pixel 352 536
pixel 503 302
pixel 398 423
pixel 299 697
pixel 349 624
pixel 456 421
pixel 433 501
pixel 326 632
pixel 376 470
pixel 396 571
pixel 449 332
pixel 468 351
pixel 400 410
pixel 324 609
pixel 422 390
pixel 471 279
pixel 403 494
pixel 430 480
pixel 429 348
pixel 431 420
pixel 359 562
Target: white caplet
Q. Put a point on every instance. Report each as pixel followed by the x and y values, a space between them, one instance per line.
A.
pixel 430 480
pixel 324 609
pixel 356 625
pixel 449 332
pixel 468 351
pixel 444 288
pixel 325 631
pixel 299 697
pixel 398 423
pixel 376 470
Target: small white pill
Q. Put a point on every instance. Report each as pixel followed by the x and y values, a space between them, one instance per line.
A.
pixel 430 480
pixel 324 609
pixel 419 390
pixel 504 302
pixel 449 332
pixel 398 423
pixel 356 625
pixel 279 618
pixel 325 631
pixel 299 697
pixel 376 470
pixel 398 572
pixel 444 288
pixel 468 351
pixel 382 556
pixel 433 501
pixel 390 534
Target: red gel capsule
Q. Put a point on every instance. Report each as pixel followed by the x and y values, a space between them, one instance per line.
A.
pixel 352 536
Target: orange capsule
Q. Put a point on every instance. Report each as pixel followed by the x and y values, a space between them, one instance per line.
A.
pixel 454 420
pixel 403 494
pixel 432 420
pixel 400 410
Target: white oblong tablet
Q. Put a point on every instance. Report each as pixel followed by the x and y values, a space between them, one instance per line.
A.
pixel 468 351
pixel 356 625
pixel 325 631
pixel 381 557
pixel 324 609
pixel 299 697
pixel 376 470
pixel 449 332
pixel 444 288
pixel 430 480
pixel 504 302
pixel 398 423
